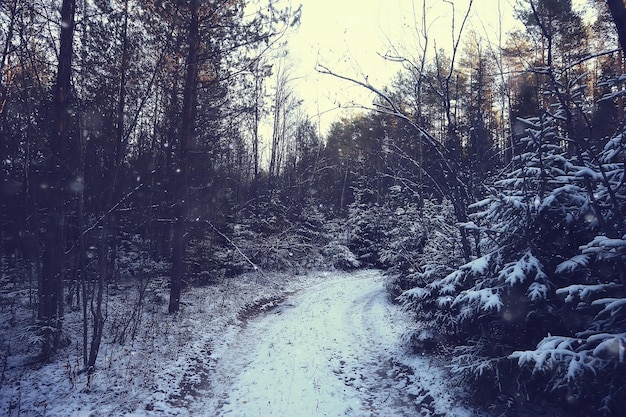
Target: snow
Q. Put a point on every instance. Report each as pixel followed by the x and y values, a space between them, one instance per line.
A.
pixel 332 352
pixel 572 264
pixel 604 247
pixel 611 344
pixel 584 291
pixel 478 266
pixel 485 299
pixel 588 172
pixel 537 291
pixel 610 304
pixel 323 344
pixel 518 272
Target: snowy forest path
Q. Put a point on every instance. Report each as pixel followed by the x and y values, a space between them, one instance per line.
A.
pixel 329 350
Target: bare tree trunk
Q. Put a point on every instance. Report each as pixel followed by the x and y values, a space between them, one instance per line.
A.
pixel 258 92
pixel 50 312
pixel 618 12
pixel 4 87
pixel 282 99
pixel 106 262
pixel 190 93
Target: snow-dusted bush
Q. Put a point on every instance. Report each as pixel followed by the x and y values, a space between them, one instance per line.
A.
pixel 391 234
pixel 529 222
pixel 275 237
pixel 340 257
pixel 440 254
pixel 421 243
pixel 405 234
pixel 507 301
pixel 589 361
pixel 366 226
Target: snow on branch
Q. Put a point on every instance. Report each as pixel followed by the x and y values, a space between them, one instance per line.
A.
pixel 610 346
pixel 584 292
pixel 553 350
pixel 485 300
pixel 605 248
pixel 520 271
pixel 575 356
pixel 612 306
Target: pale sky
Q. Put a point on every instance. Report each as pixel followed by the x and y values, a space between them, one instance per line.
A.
pixel 348 35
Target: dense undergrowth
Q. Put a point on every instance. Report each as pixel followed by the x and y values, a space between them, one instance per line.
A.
pixel 539 311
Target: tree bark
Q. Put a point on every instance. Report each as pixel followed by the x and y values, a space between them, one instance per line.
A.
pixel 4 86
pixel 108 222
pixel 190 93
pixel 50 312
pixel 618 12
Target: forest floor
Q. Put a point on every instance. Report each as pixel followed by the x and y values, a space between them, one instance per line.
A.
pixel 322 344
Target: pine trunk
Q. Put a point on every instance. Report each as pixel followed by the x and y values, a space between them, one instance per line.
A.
pixel 182 171
pixel 50 293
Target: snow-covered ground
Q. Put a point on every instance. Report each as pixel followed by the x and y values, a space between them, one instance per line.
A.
pixel 324 344
pixel 331 350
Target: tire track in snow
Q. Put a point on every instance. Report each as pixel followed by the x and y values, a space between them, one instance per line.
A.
pixel 328 351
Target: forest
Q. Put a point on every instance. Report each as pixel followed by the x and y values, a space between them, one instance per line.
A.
pixel 160 143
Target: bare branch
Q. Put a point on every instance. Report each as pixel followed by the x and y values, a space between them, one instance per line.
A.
pixel 99 221
pixel 389 107
pixel 457 41
pixel 234 245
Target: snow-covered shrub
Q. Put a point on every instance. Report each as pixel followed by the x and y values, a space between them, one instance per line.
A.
pixel 340 256
pixel 259 238
pixel 389 234
pixel 441 252
pixel 405 234
pixel 588 361
pixel 422 245
pixel 506 298
pixel 366 231
pixel 273 236
pixel 547 291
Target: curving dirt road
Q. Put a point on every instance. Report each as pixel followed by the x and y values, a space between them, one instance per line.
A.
pixel 331 350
